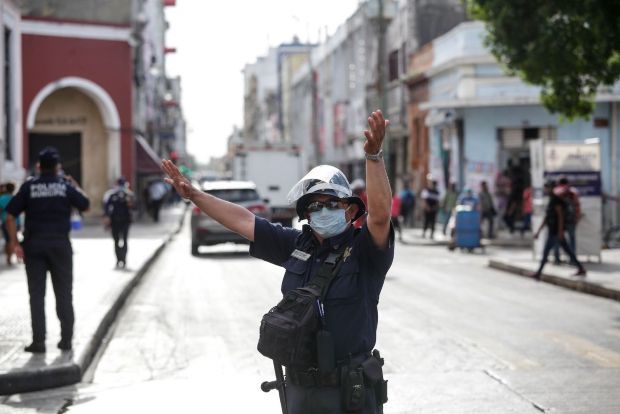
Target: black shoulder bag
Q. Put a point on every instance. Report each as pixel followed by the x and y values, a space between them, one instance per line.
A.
pixel 290 331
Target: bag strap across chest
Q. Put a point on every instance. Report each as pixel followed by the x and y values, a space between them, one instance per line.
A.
pixel 329 269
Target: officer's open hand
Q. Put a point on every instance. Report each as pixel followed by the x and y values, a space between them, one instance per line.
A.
pixel 180 183
pixel 374 138
pixel 19 252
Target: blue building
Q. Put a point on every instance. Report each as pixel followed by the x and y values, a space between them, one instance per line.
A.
pixel 481 121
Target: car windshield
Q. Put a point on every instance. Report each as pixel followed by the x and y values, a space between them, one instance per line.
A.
pixel 235 195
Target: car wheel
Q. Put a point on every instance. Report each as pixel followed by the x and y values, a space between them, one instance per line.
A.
pixel 195 249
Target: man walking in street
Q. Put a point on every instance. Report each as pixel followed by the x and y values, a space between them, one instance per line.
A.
pixel 430 196
pixel 554 220
pixel 570 195
pixel 324 198
pixel 487 208
pixel 47 201
pixel 118 213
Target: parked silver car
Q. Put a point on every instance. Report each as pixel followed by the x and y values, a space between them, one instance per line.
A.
pixel 206 231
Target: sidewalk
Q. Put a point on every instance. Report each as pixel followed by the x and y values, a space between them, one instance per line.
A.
pixel 502 238
pixel 603 278
pixel 99 290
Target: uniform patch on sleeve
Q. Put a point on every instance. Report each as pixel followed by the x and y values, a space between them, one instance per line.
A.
pixel 298 254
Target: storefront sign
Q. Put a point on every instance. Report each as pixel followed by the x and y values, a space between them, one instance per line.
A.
pixel 61 121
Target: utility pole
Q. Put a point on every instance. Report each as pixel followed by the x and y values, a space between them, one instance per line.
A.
pixel 382 82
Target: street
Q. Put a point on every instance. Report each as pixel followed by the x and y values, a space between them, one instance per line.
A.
pixel 457 337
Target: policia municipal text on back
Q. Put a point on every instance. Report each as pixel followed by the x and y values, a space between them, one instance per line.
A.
pixel 354 262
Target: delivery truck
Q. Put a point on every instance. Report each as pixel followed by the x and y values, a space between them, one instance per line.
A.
pixel 275 169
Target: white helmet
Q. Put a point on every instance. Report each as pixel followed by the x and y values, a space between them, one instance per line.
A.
pixel 326 180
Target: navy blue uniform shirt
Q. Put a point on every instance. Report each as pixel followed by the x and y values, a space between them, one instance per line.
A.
pixel 351 301
pixel 47 201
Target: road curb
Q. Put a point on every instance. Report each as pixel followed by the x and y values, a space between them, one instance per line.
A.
pixel 29 380
pixel 582 286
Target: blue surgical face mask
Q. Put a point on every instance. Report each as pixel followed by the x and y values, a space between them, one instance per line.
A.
pixel 327 223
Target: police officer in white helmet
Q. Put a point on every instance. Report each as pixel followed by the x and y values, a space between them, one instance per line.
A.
pixel 324 198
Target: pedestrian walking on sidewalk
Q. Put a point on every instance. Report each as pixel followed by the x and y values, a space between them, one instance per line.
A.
pixel 358 186
pixel 469 199
pixel 47 201
pixel 349 308
pixel 430 195
pixel 487 208
pixel 396 206
pixel 570 195
pixel 5 198
pixel 554 220
pixel 157 192
pixel 407 208
pixel 449 203
pixel 528 209
pixel 118 213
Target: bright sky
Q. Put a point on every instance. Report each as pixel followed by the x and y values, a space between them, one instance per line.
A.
pixel 215 39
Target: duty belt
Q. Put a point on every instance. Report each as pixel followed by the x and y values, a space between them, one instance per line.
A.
pixel 28 236
pixel 312 378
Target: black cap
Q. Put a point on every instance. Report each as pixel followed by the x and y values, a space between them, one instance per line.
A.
pixel 48 155
pixel 122 180
pixel 549 183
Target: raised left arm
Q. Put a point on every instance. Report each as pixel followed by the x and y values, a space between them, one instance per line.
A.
pixel 377 183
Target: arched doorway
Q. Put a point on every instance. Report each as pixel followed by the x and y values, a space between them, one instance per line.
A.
pixel 80 119
pixel 70 121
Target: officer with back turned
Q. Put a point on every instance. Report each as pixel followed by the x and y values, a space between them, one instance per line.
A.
pixel 47 202
pixel 119 203
pixel 324 198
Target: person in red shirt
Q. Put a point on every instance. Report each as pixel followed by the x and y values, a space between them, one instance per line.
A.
pixel 570 196
pixel 396 203
pixel 359 189
pixel 528 209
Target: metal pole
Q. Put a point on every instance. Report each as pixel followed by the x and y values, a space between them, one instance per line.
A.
pixel 281 386
pixel 382 84
pixel 614 160
pixel 315 109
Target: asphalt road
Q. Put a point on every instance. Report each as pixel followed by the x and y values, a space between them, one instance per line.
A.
pixel 457 337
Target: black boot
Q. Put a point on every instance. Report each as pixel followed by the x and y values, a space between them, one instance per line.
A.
pixel 36 348
pixel 64 345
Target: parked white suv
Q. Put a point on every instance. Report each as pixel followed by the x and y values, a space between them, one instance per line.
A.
pixel 206 231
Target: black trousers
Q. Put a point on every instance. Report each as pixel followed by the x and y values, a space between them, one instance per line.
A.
pixel 490 218
pixel 120 231
pixel 325 400
pixel 56 256
pixel 552 241
pixel 429 221
pixel 156 206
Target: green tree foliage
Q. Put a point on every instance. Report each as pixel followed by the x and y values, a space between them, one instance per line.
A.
pixel 568 47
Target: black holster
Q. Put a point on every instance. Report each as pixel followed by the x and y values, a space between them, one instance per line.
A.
pixel 352 387
pixel 369 373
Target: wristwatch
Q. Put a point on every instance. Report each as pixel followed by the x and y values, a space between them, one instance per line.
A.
pixel 377 157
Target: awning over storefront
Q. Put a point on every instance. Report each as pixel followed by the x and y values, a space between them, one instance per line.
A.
pixel 147 161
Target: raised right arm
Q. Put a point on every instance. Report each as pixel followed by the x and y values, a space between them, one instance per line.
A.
pixel 229 215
